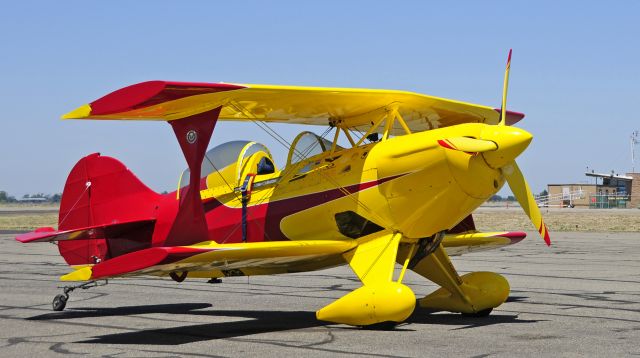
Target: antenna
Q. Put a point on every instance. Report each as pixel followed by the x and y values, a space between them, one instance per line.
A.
pixel 635 139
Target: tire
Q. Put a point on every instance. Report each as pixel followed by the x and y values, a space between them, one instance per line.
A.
pixel 59 302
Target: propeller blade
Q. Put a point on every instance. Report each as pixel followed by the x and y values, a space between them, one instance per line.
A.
pixel 523 194
pixel 469 145
pixel 505 86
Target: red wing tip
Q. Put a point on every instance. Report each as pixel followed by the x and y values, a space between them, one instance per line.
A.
pixel 446 144
pixel 149 93
pixel 514 236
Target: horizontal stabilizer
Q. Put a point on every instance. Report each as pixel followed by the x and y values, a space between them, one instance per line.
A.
pixel 106 231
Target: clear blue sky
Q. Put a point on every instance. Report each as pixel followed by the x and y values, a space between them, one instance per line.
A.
pixel 575 72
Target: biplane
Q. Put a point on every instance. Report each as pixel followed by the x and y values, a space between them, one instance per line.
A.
pixel 401 191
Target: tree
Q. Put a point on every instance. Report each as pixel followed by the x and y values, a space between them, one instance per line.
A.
pixel 6 198
pixel 544 193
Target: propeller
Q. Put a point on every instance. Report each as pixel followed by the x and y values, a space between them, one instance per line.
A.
pixel 523 194
pixel 500 145
pixel 505 86
pixel 512 173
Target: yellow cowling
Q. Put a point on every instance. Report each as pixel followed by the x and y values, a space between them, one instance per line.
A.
pixel 384 302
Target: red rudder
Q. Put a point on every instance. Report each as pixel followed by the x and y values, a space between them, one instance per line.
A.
pixel 102 191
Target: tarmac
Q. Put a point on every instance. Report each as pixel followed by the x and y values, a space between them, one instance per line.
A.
pixel 581 297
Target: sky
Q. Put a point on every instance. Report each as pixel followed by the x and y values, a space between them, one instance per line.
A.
pixel 575 73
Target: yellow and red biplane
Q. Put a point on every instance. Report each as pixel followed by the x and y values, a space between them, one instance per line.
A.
pixel 403 192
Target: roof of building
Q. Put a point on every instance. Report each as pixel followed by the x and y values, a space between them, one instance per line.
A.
pixel 610 175
pixel 574 184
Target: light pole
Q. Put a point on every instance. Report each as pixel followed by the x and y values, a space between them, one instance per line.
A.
pixel 635 139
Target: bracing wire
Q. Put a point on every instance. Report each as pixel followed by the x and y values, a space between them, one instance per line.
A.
pixel 287 145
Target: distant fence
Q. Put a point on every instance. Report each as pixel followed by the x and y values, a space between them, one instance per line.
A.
pixel 611 201
pixel 600 201
pixel 560 200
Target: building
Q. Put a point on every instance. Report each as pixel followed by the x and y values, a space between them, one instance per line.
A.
pixel 635 190
pixel 32 200
pixel 607 191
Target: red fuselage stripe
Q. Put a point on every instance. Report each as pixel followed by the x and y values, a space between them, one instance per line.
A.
pixel 264 219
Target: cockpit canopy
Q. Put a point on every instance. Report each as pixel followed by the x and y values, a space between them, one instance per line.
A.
pixel 231 160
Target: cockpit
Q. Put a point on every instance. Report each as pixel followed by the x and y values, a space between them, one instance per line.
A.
pixel 234 160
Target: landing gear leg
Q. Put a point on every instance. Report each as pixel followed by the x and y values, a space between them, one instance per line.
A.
pixel 60 301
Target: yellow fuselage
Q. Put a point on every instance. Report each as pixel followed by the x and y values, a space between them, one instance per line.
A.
pixel 409 184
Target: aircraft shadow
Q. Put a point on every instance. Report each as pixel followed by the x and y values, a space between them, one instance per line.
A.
pixel 89 312
pixel 455 319
pixel 257 322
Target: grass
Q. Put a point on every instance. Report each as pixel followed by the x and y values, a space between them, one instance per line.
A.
pixel 587 220
pixel 27 222
pixel 487 219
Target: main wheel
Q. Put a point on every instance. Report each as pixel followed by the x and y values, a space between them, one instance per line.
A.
pixel 59 302
pixel 483 313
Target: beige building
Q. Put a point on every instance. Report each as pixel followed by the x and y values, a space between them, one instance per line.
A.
pixel 567 195
pixel 608 191
pixel 635 190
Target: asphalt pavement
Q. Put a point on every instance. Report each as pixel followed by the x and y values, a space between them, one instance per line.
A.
pixel 581 297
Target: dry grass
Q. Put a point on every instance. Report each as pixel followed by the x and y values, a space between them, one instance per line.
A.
pixel 28 221
pixel 487 219
pixel 614 220
pixel 21 217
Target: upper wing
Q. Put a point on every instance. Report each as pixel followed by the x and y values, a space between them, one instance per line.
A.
pixel 164 100
pixel 209 256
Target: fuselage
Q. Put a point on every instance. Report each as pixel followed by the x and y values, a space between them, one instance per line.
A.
pixel 408 184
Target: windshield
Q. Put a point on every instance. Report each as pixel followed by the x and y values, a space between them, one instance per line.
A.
pixel 306 145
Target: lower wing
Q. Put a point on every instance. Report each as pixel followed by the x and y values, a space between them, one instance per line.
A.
pixel 279 256
pixel 474 241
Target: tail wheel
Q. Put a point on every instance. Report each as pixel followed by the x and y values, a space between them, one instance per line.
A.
pixel 59 302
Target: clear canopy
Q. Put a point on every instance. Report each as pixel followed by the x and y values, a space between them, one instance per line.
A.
pixel 224 159
pixel 227 159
